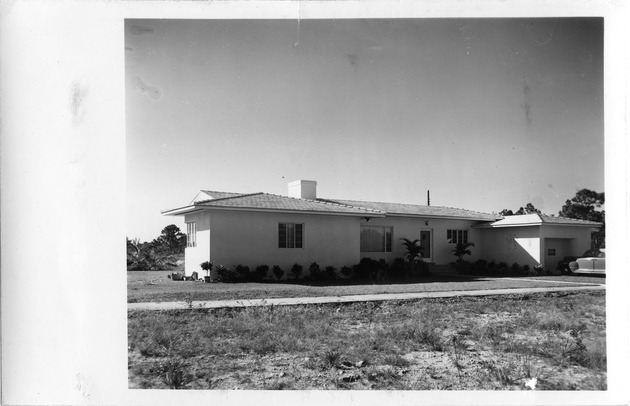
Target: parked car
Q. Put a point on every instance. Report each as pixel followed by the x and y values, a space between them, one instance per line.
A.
pixel 592 264
pixel 563 264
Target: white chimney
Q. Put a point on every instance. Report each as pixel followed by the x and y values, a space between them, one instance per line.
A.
pixel 303 189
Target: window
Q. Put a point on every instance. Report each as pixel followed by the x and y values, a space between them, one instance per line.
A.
pixel 551 252
pixel 290 235
pixel 457 236
pixel 376 239
pixel 191 234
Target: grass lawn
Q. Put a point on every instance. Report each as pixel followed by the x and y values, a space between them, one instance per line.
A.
pixel 156 287
pixel 464 343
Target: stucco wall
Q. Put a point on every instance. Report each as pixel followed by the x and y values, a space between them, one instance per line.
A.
pixel 251 238
pixel 512 244
pixel 404 227
pixel 201 253
pixel 579 238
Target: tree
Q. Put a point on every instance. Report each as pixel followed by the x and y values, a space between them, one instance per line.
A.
pixel 171 240
pixel 146 256
pixel 583 206
pixel 528 209
pixel 413 248
pixel 414 251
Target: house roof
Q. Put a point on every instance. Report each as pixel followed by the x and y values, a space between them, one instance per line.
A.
pixel 402 209
pixel 539 219
pixel 269 202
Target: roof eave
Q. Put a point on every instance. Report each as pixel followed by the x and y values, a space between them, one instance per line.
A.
pixel 435 216
pixel 195 208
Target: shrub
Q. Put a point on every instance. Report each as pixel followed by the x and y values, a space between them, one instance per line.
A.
pixel 480 266
pixel 206 266
pixel 261 272
pixel 492 267
pixel 539 270
pixel 296 271
pixel 330 272
pixel 315 271
pixel 241 272
pixel 225 274
pixel 277 271
pixel 516 269
pixel 366 268
pixel 346 271
pixel 397 269
pixel 503 268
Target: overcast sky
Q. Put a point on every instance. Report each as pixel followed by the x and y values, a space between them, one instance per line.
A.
pixel 487 114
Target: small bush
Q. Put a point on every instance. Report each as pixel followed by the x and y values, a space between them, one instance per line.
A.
pixel 480 266
pixel 241 272
pixel 516 269
pixel 331 358
pixel 296 271
pixel 398 267
pixel 174 374
pixel 206 266
pixel 278 271
pixel 367 268
pixel 226 275
pixel 346 271
pixel 330 273
pixel 315 271
pixel 261 272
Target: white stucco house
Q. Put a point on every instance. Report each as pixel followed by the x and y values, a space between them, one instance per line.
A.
pixel 260 228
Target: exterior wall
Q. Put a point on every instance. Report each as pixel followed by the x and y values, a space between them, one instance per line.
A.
pixel 201 253
pixel 566 240
pixel 512 244
pixel 409 227
pixel 529 245
pixel 251 238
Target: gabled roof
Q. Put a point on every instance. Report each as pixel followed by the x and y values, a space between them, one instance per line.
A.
pixel 417 210
pixel 537 220
pixel 271 202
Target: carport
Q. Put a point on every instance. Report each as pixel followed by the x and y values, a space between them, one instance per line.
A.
pixel 535 239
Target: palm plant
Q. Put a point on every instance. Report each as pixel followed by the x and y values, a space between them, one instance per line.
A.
pixel 414 249
pixel 146 257
pixel 461 249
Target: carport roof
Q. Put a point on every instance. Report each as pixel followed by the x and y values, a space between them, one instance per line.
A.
pixel 537 220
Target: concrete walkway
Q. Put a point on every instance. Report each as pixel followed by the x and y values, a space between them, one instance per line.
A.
pixel 215 304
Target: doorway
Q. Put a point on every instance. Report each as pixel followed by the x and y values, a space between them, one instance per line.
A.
pixel 426 241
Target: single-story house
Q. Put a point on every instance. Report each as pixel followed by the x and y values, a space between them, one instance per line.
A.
pixel 266 229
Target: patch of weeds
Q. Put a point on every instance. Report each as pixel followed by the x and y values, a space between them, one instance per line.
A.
pixel 310 363
pixel 396 360
pixel 575 349
pixel 173 373
pixel 503 373
pixel 265 344
pixel 384 377
pixel 331 358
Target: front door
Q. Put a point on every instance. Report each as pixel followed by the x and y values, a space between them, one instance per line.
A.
pixel 426 241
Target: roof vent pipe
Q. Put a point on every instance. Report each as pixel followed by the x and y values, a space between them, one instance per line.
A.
pixel 428 199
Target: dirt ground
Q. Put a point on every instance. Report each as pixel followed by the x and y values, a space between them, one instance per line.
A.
pixel 507 349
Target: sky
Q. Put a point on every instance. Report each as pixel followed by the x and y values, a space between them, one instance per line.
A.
pixel 487 114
